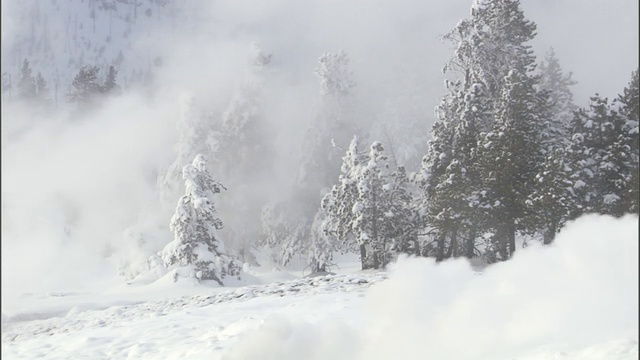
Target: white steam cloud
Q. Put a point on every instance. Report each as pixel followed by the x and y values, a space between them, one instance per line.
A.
pixel 580 291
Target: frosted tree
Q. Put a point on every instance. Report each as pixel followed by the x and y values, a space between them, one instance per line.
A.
pixel 42 89
pixel 451 174
pixel 509 155
pixel 240 140
pixel 110 85
pixel 284 231
pixel 194 226
pixel 27 89
pixel 333 124
pixel 435 161
pixel 557 84
pixel 370 208
pixel 491 42
pixel 597 158
pixel 322 246
pixel 338 204
pixel 244 152
pixel 192 132
pixel 553 200
pixel 85 86
pixel 402 218
pixel 6 84
pixel 496 66
pixel 629 109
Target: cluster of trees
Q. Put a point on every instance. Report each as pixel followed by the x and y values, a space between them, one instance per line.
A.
pixel 85 89
pixel 29 87
pixel 510 155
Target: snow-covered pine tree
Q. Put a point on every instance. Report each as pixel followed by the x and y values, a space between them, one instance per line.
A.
pixel 557 85
pixel 333 123
pixel 85 86
pixel 243 151
pixel 285 232
pixel 322 245
pixel 462 176
pixel 110 85
pixel 552 202
pixel 338 204
pixel 596 155
pixel 402 220
pixel 6 85
pixel 508 156
pixel 318 164
pixel 491 47
pixel 27 89
pixel 194 226
pixel 372 208
pixel 42 89
pixel 491 42
pixel 629 109
pixel 240 141
pixel 435 163
pixel 192 132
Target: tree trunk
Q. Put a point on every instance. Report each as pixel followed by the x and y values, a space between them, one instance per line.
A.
pixel 375 243
pixel 440 248
pixel 454 243
pixel 363 257
pixel 550 234
pixel 512 238
pixel 502 242
pixel 470 245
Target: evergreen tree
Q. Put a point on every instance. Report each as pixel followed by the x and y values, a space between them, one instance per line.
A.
pixel 629 109
pixel 597 158
pixel 244 153
pixel 497 152
pixel 194 226
pixel 110 85
pixel 192 131
pixel 403 220
pixel 557 84
pixel 509 156
pixel 449 193
pixel 333 124
pixel 321 247
pixel 85 87
pixel 27 89
pixel 553 200
pixel 42 89
pixel 629 99
pixel 371 208
pixel 284 231
pixel 338 204
pixel 434 165
pixel 6 84
pixel 492 42
pixel 318 161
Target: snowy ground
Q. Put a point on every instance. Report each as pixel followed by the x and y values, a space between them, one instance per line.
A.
pixel 575 300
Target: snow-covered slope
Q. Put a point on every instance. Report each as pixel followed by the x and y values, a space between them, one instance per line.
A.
pixel 58 37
